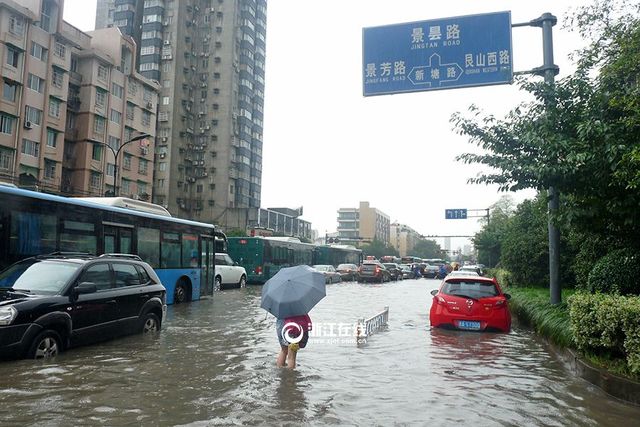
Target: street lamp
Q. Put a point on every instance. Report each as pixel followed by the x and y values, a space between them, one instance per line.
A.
pixel 115 156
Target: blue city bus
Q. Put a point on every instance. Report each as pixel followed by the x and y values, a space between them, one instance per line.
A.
pixel 182 252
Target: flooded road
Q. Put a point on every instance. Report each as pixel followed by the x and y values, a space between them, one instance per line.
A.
pixel 214 364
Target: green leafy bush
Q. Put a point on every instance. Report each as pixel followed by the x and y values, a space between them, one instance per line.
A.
pixel 617 273
pixel 609 324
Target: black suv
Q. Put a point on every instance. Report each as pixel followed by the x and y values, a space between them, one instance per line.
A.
pixel 54 302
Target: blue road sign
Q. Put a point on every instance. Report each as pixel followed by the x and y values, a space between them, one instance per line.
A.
pixel 472 50
pixel 455 214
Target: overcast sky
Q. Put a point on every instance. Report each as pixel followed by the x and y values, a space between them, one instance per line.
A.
pixel 327 147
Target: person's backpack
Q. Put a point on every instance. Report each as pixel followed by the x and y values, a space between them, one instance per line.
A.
pixel 304 321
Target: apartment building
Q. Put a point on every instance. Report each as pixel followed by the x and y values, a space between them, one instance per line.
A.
pixel 363 223
pixel 403 238
pixel 209 58
pixel 63 102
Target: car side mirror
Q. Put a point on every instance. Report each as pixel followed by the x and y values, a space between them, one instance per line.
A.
pixel 85 288
pixel 507 296
pixel 434 292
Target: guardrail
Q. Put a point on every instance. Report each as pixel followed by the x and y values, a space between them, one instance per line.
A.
pixel 367 327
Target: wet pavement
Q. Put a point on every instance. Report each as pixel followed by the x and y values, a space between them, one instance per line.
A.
pixel 214 364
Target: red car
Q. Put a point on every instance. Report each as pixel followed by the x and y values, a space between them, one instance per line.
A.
pixel 470 303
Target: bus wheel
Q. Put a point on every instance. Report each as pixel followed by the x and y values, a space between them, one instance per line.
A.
pixel 180 294
pixel 243 282
pixel 217 286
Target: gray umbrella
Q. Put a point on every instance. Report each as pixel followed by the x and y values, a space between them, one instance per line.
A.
pixel 293 291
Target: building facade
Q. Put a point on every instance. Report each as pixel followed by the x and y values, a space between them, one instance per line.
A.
pixel 63 101
pixel 209 58
pixel 363 224
pixel 403 238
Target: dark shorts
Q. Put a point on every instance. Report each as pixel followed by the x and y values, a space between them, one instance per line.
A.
pixel 283 342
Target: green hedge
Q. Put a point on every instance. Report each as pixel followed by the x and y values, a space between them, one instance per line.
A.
pixel 616 272
pixel 607 324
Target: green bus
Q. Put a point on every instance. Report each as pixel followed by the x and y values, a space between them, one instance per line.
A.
pixel 262 257
pixel 337 254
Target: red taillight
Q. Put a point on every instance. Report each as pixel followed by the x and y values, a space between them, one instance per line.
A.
pixel 440 300
pixel 258 270
pixel 377 269
pixel 501 303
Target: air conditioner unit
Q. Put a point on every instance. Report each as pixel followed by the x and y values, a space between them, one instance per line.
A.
pixel 27 124
pixel 204 85
pixel 164 139
pixel 166 42
pixel 163 155
pixel 149 105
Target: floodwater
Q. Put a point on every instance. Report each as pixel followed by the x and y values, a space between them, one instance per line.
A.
pixel 214 364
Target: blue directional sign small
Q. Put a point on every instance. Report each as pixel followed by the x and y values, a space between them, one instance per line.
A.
pixel 455 214
pixel 446 53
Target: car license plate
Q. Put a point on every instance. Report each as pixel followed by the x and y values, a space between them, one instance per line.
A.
pixel 467 324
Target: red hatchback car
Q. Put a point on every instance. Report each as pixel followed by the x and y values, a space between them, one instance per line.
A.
pixel 470 303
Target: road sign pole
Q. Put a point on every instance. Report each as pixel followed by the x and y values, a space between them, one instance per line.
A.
pixel 549 71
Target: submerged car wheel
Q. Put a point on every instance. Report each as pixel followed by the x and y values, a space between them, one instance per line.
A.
pixel 243 282
pixel 150 323
pixel 45 346
pixel 217 286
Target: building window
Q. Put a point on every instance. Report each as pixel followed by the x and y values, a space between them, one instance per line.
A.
pixel 57 77
pixel 9 91
pixel 6 124
pixel 95 180
pixel 49 169
pixel 113 142
pixel 60 50
pixel 52 137
pixel 142 167
pixel 146 118
pixel 165 100
pixel 126 162
pixel 6 159
pixel 131 108
pixel 142 187
pixel 162 166
pixel 96 153
pixel 116 116
pixel 35 83
pixel 13 56
pixel 98 124
pixel 39 51
pixel 102 72
pixel 30 148
pixel 117 90
pixel 33 115
pixel 101 97
pixel 54 107
pixel 126 186
pixel 111 169
pixel 132 88
pixel 16 25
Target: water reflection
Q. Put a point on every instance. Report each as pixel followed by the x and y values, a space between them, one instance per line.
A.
pixel 214 364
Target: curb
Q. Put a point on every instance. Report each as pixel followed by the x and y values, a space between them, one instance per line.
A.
pixel 614 385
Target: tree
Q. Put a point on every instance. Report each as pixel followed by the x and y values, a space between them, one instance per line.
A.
pixel 488 241
pixel 427 249
pixel 579 135
pixel 378 249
